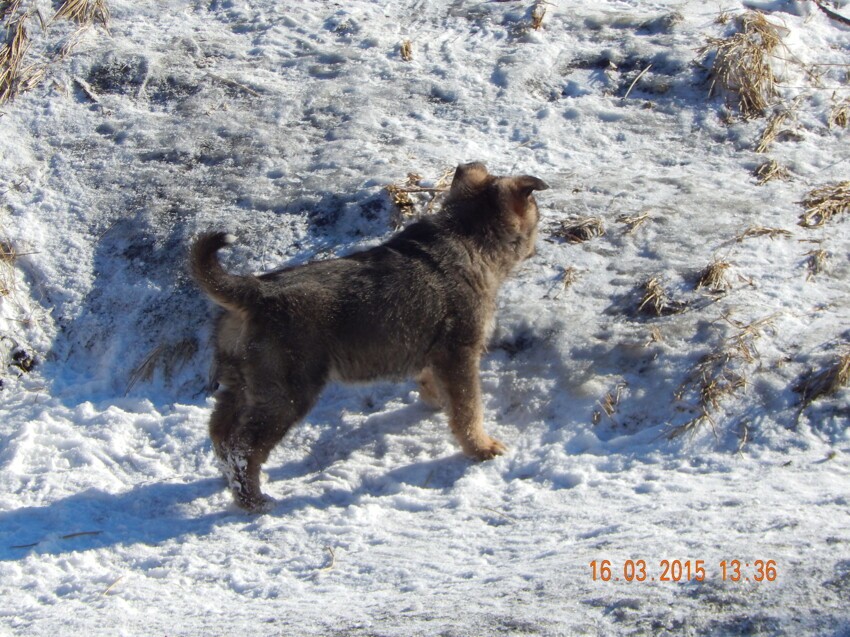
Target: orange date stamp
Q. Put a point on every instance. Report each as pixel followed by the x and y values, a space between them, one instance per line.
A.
pixel 684 571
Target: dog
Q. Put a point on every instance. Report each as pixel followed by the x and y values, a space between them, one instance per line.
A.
pixel 421 304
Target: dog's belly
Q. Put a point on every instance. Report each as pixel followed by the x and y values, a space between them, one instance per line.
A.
pixel 365 362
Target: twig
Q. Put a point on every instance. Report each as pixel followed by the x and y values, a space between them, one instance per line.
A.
pixel 640 75
pixel 112 585
pixel 330 566
pixel 80 534
pixel 69 536
pixel 419 189
pixel 510 518
pixel 234 84
pixel 86 88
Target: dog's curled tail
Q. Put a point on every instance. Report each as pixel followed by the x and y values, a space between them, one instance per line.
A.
pixel 232 292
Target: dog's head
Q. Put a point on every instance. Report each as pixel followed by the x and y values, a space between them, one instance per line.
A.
pixel 506 202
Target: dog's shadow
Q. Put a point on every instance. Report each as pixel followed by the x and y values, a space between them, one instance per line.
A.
pixel 337 444
pixel 155 513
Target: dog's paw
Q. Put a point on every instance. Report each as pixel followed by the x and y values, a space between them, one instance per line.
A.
pixel 256 504
pixel 487 449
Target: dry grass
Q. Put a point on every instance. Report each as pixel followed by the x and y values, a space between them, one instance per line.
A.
pixel 580 229
pixel 8 254
pixel 816 261
pixel 741 64
pixel 404 206
pixel 716 386
pixel 771 170
pixel 840 113
pixel 775 127
pixel 655 336
pixel 823 203
pixel 12 72
pixel 633 222
pixel 17 77
pixel 826 382
pixel 171 357
pixel 762 231
pixel 654 296
pixel 609 403
pixel 402 195
pixel 538 12
pixel 742 343
pixel 406 50
pixel 20 310
pixel 84 12
pixel 566 278
pixel 721 374
pixel 713 277
pixel 656 301
pixel 8 257
pixel 723 17
pixel 9 8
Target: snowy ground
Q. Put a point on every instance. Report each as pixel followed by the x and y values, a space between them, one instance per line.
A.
pixel 283 122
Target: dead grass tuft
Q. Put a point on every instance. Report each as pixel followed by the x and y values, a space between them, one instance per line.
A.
pixel 840 113
pixel 721 374
pixel 406 50
pixel 171 357
pixel 741 63
pixel 723 17
pixel 538 12
pixel 823 203
pixel 9 8
pixel 713 277
pixel 566 278
pixel 609 404
pixel 403 203
pixel 16 77
pixel 13 75
pixel 402 195
pixel 633 222
pixel 762 231
pixel 655 300
pixel 771 170
pixel 826 382
pixel 8 257
pixel 742 343
pixel 580 229
pixel 8 254
pixel 84 12
pixel 776 126
pixel 816 262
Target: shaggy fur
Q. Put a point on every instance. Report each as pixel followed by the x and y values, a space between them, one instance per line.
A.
pixel 421 304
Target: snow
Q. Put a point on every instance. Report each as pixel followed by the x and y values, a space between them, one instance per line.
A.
pixel 281 123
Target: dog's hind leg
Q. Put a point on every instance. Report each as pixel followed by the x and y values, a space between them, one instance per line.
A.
pixel 272 407
pixel 457 375
pixel 260 429
pixel 225 416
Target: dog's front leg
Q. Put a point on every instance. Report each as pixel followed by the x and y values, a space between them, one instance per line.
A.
pixel 457 375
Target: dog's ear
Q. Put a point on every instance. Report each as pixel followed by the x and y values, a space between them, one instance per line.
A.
pixel 526 184
pixel 469 177
pixel 516 192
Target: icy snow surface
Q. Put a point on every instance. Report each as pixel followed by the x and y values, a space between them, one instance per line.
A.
pixel 282 122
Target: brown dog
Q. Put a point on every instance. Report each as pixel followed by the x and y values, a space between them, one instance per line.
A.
pixel 420 304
